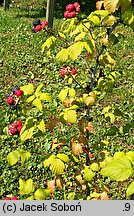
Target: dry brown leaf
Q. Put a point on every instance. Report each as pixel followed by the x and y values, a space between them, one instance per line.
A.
pixel 82 139
pixel 58 183
pixel 51 186
pixel 79 179
pixel 76 148
pixel 104 196
pixel 99 5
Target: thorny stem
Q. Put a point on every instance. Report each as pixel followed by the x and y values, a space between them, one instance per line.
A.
pixel 109 31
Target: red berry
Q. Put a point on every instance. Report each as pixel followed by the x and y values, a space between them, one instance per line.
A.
pixel 78 9
pixel 14 198
pixel 12 131
pixel 63 73
pixel 38 28
pixel 76 4
pixel 91 155
pixel 74 71
pixel 18 92
pixel 44 23
pixel 18 123
pixel 85 149
pixel 64 67
pixel 72 14
pixel 7 198
pixel 10 100
pixel 19 128
pixel 70 7
pixel 66 14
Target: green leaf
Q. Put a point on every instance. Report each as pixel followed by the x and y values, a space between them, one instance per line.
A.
pixel 13 157
pixel 38 104
pixel 41 126
pixel 112 131
pixel 57 167
pixel 28 89
pixel 30 99
pixel 70 116
pixel 41 194
pixel 25 155
pixel 71 196
pixel 130 190
pixel 38 92
pixel 118 169
pixel 88 174
pixel 75 50
pixel 63 94
pixel 94 167
pixel 26 187
pixel 62 55
pixel 45 97
pixel 63 157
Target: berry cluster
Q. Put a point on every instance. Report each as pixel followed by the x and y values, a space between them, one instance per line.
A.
pixel 14 128
pixel 38 25
pixel 13 198
pixel 72 10
pixel 66 70
pixel 11 100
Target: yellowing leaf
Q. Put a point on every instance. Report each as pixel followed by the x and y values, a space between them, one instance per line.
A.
pixel 41 194
pixel 111 5
pixel 128 17
pixel 72 92
pixel 95 19
pixel 80 36
pixel 104 196
pixel 28 89
pixel 25 155
pixel 13 157
pixel 94 167
pixel 57 167
pixel 130 190
pixel 88 174
pixel 59 183
pixel 30 99
pixel 26 187
pixel 26 134
pixel 118 169
pixel 38 104
pixel 48 43
pixel 37 92
pixel 46 97
pixel 41 126
pixel 106 109
pixel 63 94
pixel 63 157
pixel 75 50
pixel 89 46
pixel 119 155
pixel 99 5
pixel 70 116
pixel 62 55
pixel 48 161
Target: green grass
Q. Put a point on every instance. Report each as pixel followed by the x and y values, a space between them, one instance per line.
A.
pixel 22 62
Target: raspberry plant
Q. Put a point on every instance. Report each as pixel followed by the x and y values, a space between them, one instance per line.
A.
pixel 72 164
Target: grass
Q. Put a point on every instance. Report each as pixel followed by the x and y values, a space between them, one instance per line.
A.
pixel 22 62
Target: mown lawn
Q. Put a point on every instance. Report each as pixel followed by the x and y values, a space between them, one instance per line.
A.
pixel 22 62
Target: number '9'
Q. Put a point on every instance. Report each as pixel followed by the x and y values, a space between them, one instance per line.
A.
pixel 127 206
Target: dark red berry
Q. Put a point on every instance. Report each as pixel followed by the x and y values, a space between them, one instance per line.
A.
pixel 19 128
pixel 76 4
pixel 10 100
pixel 12 131
pixel 66 14
pixel 18 92
pixel 44 23
pixel 72 14
pixel 38 28
pixel 78 9
pixel 85 149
